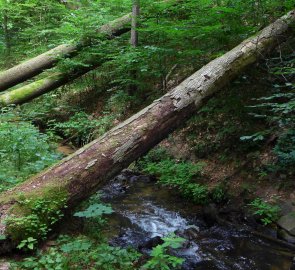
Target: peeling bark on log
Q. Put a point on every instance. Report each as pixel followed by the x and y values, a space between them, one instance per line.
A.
pixel 82 173
pixel 36 65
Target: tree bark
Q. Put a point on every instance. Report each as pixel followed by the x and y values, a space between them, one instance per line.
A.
pixel 6 34
pixel 135 14
pixel 35 89
pixel 36 65
pixel 134 42
pixel 82 173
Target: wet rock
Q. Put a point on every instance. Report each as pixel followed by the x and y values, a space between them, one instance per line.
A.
pixel 191 232
pixel 251 221
pixel 146 178
pixel 286 207
pixel 121 178
pixel 287 222
pixel 151 243
pixel 210 214
pixel 286 236
pixel 270 231
pixel 292 267
pixel 134 178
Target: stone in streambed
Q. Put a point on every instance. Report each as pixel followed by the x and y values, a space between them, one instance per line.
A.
pixel 286 207
pixel 282 234
pixel 287 222
pixel 151 243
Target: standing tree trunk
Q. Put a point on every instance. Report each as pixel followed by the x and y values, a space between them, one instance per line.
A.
pixel 81 174
pixel 6 34
pixel 134 32
pixel 36 65
pixel 134 42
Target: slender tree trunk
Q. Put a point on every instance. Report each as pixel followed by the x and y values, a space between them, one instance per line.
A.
pixel 134 25
pixel 82 173
pixel 6 35
pixel 36 65
pixel 134 42
pixel 6 31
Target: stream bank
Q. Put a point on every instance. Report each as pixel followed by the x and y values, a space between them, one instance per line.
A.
pixel 145 212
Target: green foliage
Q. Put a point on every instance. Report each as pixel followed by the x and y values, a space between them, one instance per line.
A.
pixel 82 128
pixel 119 102
pixel 23 149
pixel 95 210
pixel 196 192
pixel 217 128
pixel 52 260
pixel 76 245
pixel 94 215
pixel 278 110
pixel 155 155
pixel 26 33
pixel 33 218
pixel 176 174
pixel 112 258
pixel 219 193
pixel 28 243
pixel 266 212
pixel 285 151
pixel 160 259
pixel 81 253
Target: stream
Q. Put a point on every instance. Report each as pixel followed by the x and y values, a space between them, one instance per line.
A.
pixel 145 211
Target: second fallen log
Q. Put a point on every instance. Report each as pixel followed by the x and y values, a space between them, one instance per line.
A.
pixel 36 65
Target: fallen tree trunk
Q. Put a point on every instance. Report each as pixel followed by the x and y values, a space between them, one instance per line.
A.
pixel 81 174
pixel 35 89
pixel 36 65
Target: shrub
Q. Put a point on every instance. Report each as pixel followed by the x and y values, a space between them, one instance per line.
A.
pixel 266 212
pixel 219 193
pixel 24 151
pixel 81 128
pixel 81 253
pixel 160 259
pixel 179 175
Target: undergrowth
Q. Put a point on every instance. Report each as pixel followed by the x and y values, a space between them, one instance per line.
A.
pixel 24 151
pixel 266 212
pixel 181 175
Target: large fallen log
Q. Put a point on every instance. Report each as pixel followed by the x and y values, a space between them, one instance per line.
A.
pixel 81 174
pixel 36 65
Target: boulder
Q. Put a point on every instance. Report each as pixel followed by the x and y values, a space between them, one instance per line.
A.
pixel 151 243
pixel 282 234
pixel 287 222
pixel 286 207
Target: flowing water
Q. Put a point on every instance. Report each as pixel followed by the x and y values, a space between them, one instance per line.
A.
pixel 145 211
